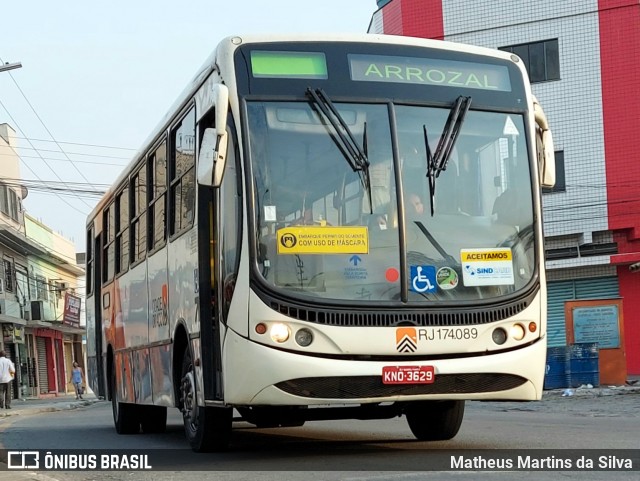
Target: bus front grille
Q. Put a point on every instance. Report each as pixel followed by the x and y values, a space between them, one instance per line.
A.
pixel 392 317
pixel 358 387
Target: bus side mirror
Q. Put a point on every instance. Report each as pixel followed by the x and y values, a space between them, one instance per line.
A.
pixel 213 149
pixel 212 157
pixel 544 148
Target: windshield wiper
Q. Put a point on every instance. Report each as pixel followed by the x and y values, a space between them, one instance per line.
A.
pixel 437 162
pixel 445 255
pixel 355 155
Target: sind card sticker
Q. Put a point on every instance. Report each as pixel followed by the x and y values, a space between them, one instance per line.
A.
pixel 487 267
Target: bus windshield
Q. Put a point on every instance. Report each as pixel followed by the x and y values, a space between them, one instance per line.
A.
pixel 323 231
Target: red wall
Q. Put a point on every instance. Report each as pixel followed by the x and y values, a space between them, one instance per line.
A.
pixel 414 18
pixel 619 22
pixel 620 71
pixel 630 293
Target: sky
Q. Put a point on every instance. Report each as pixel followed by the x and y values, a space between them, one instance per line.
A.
pixel 97 77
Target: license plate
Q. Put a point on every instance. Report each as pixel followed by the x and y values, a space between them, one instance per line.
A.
pixel 408 375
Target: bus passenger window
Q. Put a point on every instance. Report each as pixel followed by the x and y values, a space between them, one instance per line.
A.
pixel 182 169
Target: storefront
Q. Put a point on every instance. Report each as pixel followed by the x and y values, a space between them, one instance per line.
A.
pixel 52 349
pixel 13 343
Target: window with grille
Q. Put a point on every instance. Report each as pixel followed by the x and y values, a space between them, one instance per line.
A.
pixel 42 288
pixel 541 59
pixel 8 275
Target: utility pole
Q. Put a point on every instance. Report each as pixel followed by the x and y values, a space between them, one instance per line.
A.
pixel 10 66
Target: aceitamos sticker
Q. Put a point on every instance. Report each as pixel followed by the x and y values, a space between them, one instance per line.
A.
pixel 487 267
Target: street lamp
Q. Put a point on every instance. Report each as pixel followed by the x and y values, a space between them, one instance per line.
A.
pixel 10 66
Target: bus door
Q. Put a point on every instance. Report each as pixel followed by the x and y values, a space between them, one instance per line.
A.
pixel 97 298
pixel 219 218
pixel 209 285
pixel 209 294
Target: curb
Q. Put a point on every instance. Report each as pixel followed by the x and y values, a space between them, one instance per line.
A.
pixel 62 406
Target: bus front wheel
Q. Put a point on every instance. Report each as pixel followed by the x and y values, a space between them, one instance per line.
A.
pixel 207 428
pixel 435 420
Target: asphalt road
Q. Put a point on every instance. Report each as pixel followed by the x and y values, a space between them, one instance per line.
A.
pixel 377 450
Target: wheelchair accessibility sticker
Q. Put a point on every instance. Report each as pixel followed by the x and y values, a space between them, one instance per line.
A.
pixel 423 279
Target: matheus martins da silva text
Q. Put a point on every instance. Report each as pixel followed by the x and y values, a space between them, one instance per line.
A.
pixel 546 462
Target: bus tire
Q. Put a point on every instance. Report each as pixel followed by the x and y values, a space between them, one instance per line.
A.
pixel 207 428
pixel 435 420
pixel 125 416
pixel 153 419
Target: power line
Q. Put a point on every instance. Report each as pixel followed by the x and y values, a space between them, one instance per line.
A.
pixel 48 131
pixel 65 160
pixel 32 171
pixel 55 187
pixel 74 153
pixel 77 143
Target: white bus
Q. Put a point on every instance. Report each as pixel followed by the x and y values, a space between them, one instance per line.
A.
pixel 326 228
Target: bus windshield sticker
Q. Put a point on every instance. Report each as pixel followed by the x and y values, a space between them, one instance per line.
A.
pixel 429 71
pixel 355 271
pixel 323 240
pixel 423 279
pixel 278 64
pixel 270 213
pixel 487 267
pixel 509 127
pixel 447 278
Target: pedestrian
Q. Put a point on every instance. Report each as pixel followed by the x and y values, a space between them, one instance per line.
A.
pixel 77 378
pixel 7 371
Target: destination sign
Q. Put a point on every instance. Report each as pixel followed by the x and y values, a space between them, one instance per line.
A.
pixel 429 71
pixel 277 64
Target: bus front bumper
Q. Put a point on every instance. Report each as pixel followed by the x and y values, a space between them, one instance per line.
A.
pixel 255 374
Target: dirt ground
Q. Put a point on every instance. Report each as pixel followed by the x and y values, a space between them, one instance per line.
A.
pixel 604 401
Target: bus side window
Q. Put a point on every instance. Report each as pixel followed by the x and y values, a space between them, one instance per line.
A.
pixel 138 212
pixel 182 174
pixel 157 193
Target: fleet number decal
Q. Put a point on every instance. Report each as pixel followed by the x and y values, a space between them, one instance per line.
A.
pixel 448 334
pixel 408 339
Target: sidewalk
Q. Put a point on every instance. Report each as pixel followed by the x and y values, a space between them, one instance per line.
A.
pixel 25 407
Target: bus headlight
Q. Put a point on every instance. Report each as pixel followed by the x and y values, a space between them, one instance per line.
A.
pixel 499 336
pixel 517 332
pixel 304 337
pixel 279 332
